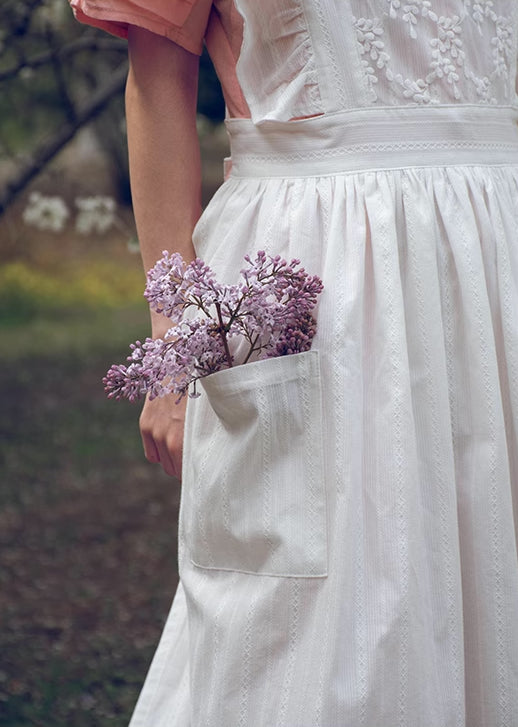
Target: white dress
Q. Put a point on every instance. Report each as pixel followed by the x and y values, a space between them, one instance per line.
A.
pixel 348 534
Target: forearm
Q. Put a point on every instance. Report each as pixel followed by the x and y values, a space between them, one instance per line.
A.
pixel 163 148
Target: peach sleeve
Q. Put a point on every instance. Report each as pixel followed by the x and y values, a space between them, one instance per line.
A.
pixel 183 21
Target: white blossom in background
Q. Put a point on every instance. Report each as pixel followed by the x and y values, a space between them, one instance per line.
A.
pixel 96 214
pixel 46 213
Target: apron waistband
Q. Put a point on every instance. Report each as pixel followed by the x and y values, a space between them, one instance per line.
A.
pixel 375 138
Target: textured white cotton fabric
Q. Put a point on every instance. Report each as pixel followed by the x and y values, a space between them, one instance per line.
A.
pixel 348 528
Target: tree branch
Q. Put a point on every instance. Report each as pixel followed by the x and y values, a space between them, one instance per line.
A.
pixel 59 77
pixel 77 46
pixel 48 149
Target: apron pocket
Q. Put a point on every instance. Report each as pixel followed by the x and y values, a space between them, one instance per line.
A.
pixel 255 481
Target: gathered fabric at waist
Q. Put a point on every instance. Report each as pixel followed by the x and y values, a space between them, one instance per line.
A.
pixel 373 139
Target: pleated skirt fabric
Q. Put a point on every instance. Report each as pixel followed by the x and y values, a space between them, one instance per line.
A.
pixel 387 595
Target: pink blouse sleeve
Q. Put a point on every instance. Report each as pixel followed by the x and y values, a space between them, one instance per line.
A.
pixel 183 21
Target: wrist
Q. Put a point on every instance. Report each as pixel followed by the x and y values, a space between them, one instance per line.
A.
pixel 159 325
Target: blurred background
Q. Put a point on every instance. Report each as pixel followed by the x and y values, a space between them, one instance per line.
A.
pixel 87 526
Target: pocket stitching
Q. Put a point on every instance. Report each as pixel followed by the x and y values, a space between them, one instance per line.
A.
pixel 307 376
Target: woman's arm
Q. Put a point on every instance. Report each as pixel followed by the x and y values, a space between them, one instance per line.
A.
pixel 166 188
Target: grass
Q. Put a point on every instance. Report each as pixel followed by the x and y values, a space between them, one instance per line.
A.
pixel 27 292
pixel 87 527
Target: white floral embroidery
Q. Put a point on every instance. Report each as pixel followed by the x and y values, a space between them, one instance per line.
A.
pixel 394 6
pixel 482 87
pixel 416 91
pixel 369 34
pixel 451 75
pixel 481 10
pixel 447 53
pixel 414 10
pixel 502 47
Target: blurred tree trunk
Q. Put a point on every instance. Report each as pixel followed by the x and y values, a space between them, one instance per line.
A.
pixel 56 76
pixel 46 150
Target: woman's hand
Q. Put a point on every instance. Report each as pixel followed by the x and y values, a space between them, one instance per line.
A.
pixel 161 428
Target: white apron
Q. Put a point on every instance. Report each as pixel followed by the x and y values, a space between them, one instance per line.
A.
pixel 348 549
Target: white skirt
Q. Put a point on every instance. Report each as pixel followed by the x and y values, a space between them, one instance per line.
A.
pixel 348 527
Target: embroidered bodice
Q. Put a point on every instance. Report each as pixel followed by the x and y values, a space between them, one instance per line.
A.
pixel 308 57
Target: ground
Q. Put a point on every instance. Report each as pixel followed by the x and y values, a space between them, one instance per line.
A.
pixel 87 535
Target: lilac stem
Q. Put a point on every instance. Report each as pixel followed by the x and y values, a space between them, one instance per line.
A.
pixel 223 334
pixel 252 349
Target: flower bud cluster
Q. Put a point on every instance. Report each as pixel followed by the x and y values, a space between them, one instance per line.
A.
pixel 268 313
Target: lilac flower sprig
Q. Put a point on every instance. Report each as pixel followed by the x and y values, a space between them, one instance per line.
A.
pixel 268 313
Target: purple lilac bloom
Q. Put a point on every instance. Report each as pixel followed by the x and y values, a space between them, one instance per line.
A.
pixel 270 311
pixel 165 288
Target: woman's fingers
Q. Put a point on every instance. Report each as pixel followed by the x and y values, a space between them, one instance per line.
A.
pixel 170 451
pixel 161 428
pixel 150 450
